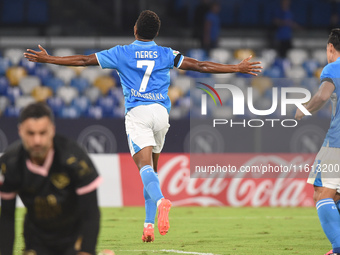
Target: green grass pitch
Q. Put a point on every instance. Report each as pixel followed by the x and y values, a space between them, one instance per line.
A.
pixel 210 230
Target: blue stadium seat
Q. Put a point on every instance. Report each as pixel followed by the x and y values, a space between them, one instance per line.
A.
pixel 12 11
pixel 69 112
pixel 82 103
pixel 4 84
pixel 12 93
pixel 80 83
pixel 5 63
pixel 95 112
pixel 107 104
pixel 56 104
pixel 54 83
pixel 115 75
pixel 29 66
pixel 44 73
pixel 12 111
pixel 310 66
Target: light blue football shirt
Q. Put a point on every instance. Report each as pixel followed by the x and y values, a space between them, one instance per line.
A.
pixel 331 73
pixel 144 70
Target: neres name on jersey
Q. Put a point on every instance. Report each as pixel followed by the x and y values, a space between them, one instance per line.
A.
pixel 146 54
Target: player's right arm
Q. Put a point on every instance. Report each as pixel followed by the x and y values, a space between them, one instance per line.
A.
pixel 76 60
pixel 211 67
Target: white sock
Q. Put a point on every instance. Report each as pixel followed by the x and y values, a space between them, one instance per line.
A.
pixel 159 202
pixel 146 224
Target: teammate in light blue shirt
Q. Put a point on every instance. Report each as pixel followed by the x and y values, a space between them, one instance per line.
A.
pixel 144 68
pixel 324 174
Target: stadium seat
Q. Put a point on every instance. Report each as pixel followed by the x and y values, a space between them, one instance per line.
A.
pixel 269 56
pixel 4 102
pixel 297 56
pixel 310 65
pixel 91 74
pixel 4 65
pixel 11 111
pixel 116 77
pixel 4 84
pixel 241 54
pixel 56 104
pixel 320 56
pixel 312 84
pixel 92 93
pixel 95 112
pixel 183 83
pixel 14 55
pixel 104 84
pixel 43 72
pixel 220 55
pixel 69 112
pixel 81 84
pixel 296 72
pixel 29 66
pixel 174 94
pixel 12 93
pixel 54 83
pixel 261 84
pixel 107 104
pixel 82 103
pixel 28 83
pixel 63 52
pixel 41 93
pixel 23 101
pixel 14 74
pixel 318 72
pixel 66 74
pixel 116 93
pixel 67 94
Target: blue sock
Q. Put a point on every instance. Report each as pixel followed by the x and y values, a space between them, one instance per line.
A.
pixel 151 183
pixel 330 221
pixel 150 208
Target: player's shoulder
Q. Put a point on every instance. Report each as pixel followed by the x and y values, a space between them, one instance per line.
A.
pixel 66 148
pixel 13 154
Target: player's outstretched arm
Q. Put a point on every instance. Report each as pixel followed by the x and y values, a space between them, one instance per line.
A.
pixel 245 66
pixel 318 100
pixel 7 226
pixel 76 60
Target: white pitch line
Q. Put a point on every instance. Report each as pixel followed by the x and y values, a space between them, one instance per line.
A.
pixel 174 251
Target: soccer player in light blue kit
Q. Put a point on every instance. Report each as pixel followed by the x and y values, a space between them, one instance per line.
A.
pixel 144 68
pixel 323 175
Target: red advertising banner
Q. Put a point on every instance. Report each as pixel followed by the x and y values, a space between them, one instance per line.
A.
pixel 241 190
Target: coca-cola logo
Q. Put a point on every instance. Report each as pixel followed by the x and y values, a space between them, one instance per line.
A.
pixel 177 185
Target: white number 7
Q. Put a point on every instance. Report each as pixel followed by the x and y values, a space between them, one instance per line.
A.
pixel 150 65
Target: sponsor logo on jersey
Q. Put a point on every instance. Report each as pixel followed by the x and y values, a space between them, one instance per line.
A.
pixel 60 181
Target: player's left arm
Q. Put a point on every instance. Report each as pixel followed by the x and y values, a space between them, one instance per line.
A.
pixel 318 100
pixel 7 225
pixel 76 60
pixel 90 216
pixel 245 66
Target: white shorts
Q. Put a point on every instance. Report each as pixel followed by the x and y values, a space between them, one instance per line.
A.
pixel 326 169
pixel 147 125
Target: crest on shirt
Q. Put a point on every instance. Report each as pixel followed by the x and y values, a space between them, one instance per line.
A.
pixel 175 52
pixel 2 173
pixel 60 180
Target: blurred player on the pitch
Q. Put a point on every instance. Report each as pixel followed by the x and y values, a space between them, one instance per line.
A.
pixel 326 182
pixel 144 69
pixel 57 183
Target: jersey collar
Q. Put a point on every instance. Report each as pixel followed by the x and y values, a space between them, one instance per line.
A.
pixel 141 43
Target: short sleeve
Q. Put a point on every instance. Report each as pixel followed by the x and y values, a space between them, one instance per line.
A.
pixel 176 58
pixel 327 75
pixel 108 58
pixel 85 174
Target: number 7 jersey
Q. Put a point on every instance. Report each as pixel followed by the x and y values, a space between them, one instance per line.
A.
pixel 144 70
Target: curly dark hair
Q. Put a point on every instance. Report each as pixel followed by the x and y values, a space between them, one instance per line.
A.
pixel 36 111
pixel 148 25
pixel 334 38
